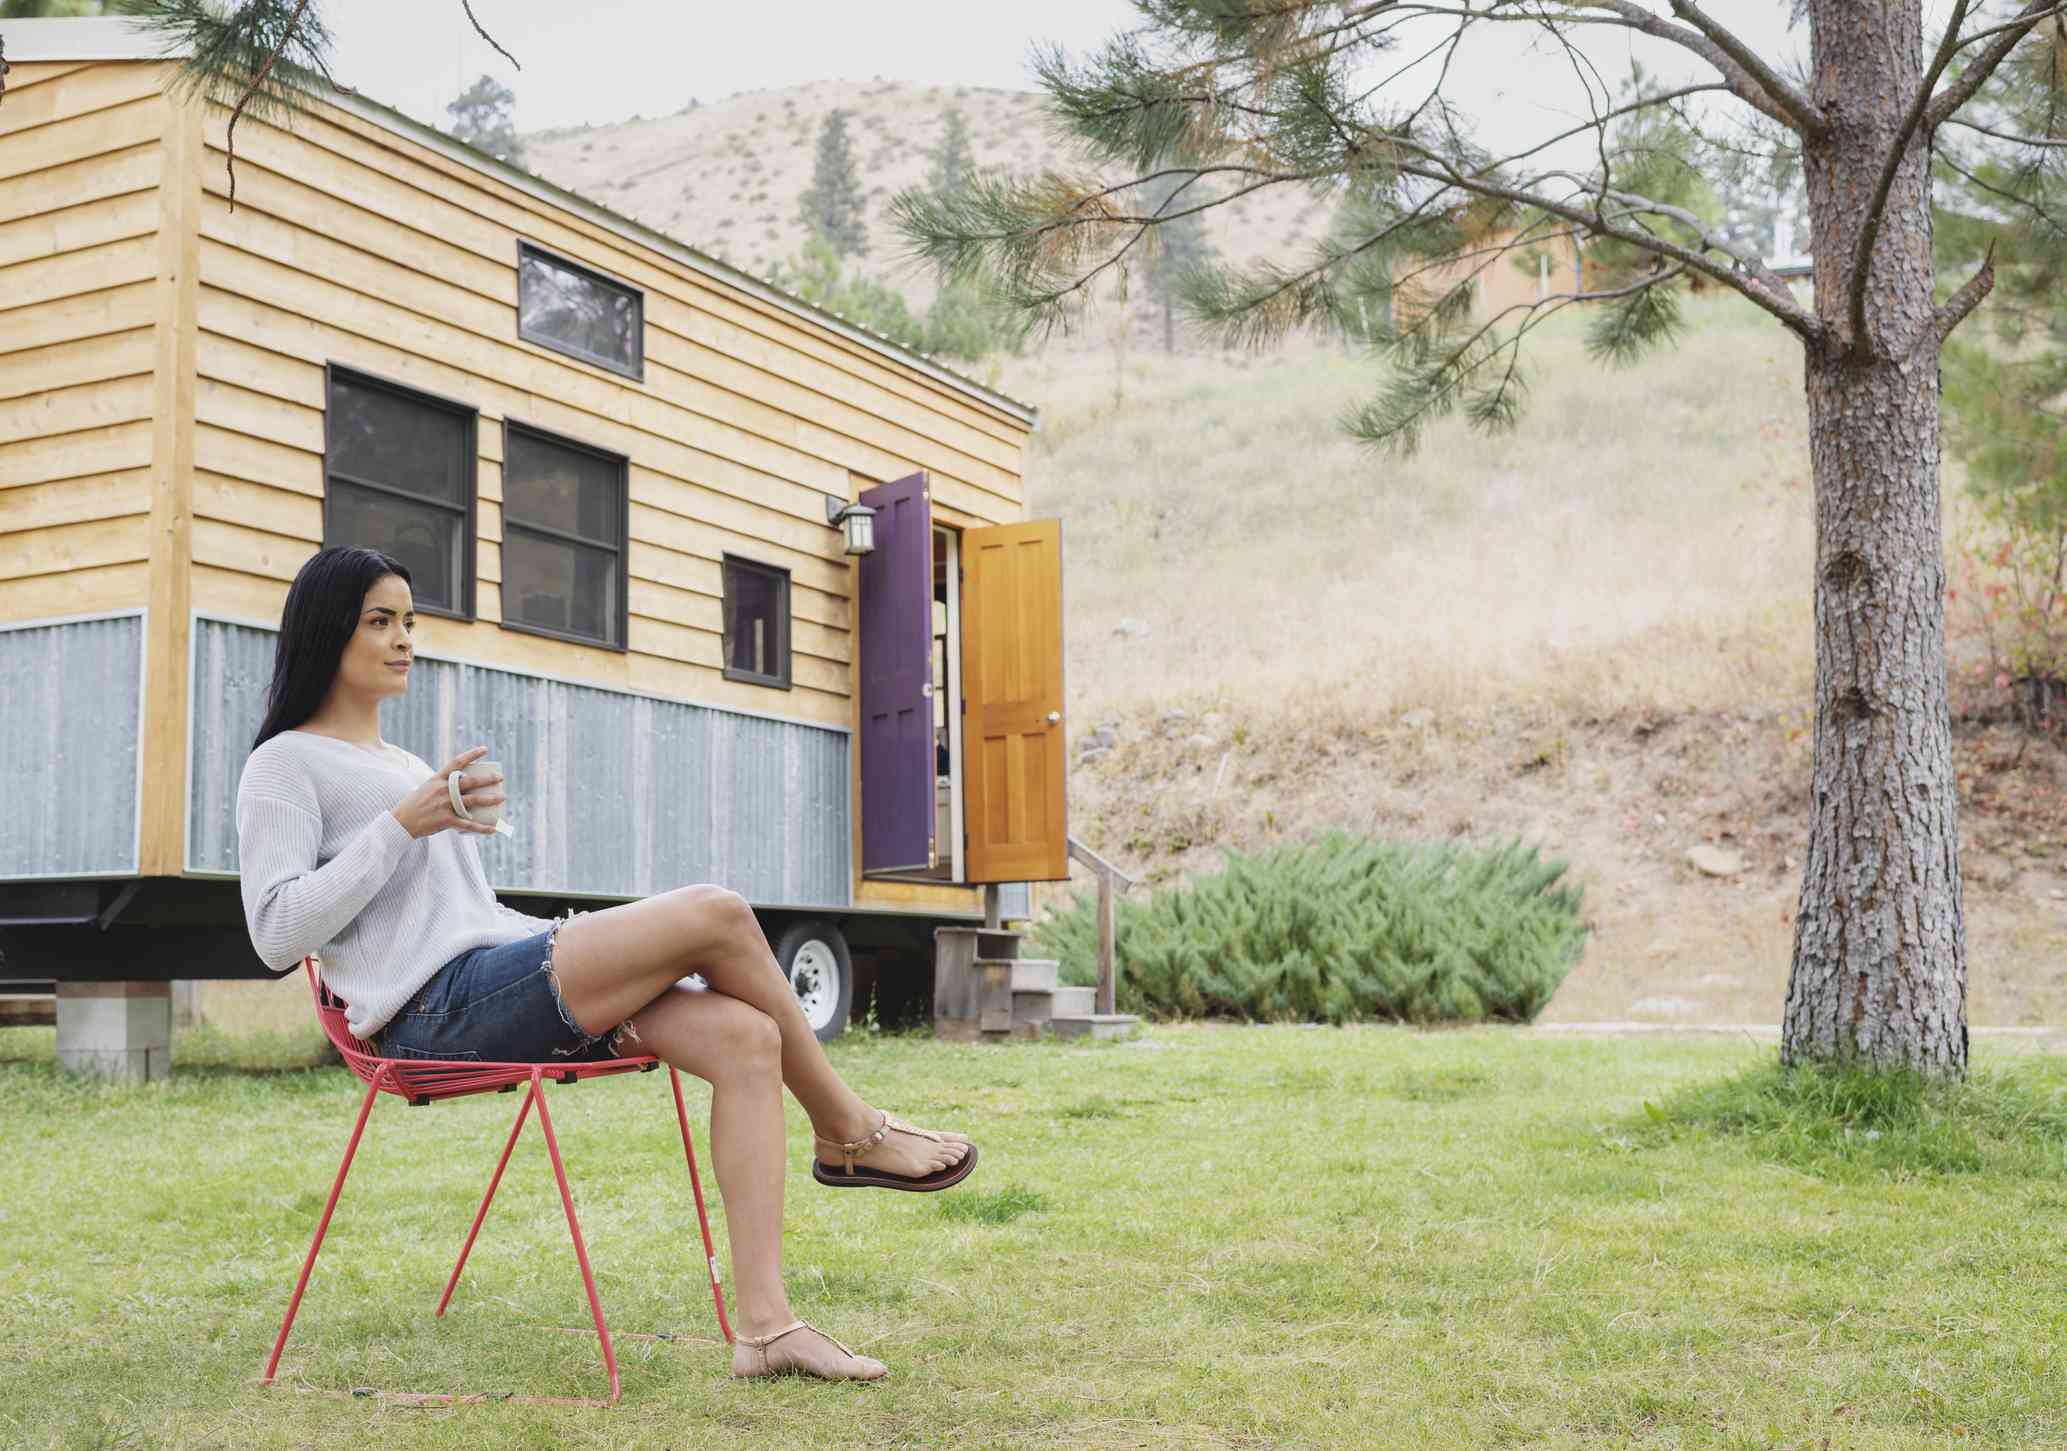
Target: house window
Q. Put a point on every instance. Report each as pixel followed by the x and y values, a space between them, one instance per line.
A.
pixel 756 623
pixel 566 307
pixel 400 477
pixel 563 537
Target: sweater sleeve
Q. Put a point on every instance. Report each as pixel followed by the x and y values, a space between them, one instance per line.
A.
pixel 292 906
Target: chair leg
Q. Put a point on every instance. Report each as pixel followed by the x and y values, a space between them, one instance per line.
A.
pixel 710 1253
pixel 481 1215
pixel 581 1254
pixel 322 1226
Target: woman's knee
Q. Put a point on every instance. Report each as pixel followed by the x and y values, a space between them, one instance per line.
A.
pixel 752 1041
pixel 716 912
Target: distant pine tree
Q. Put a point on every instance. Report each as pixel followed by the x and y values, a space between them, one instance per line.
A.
pixel 952 159
pixel 832 208
pixel 482 117
pixel 1183 245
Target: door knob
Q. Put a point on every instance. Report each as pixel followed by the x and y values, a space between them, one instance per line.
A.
pixel 1054 717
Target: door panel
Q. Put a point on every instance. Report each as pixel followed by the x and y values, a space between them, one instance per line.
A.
pixel 1015 800
pixel 895 623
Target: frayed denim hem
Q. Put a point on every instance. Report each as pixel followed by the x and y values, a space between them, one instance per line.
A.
pixel 618 1036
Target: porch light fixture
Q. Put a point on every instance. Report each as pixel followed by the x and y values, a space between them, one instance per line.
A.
pixel 859 521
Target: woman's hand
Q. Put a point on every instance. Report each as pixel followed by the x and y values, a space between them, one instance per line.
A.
pixel 427 810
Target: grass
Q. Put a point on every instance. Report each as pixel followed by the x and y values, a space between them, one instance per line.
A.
pixel 1215 1237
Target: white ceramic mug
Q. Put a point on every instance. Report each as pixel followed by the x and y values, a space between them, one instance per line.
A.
pixel 492 815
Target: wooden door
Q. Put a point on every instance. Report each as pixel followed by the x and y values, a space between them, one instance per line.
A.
pixel 1014 772
pixel 895 626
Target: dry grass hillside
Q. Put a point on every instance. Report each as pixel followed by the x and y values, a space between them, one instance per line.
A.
pixel 725 176
pixel 1595 633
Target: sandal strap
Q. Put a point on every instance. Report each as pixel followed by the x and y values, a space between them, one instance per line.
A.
pixel 762 1342
pixel 852 1152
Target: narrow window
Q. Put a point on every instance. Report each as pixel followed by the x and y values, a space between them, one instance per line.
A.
pixel 400 476
pixel 569 308
pixel 563 537
pixel 756 623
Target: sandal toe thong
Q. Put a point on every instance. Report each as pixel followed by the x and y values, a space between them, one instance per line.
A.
pixel 859 1176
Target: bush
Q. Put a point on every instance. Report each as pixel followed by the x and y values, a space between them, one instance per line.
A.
pixel 1341 929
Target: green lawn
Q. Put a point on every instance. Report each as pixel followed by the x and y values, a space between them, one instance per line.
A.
pixel 1210 1237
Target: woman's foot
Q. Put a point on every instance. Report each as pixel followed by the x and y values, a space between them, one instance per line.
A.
pixel 894 1154
pixel 800 1349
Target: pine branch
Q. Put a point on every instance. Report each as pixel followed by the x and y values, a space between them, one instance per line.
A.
pixel 1869 233
pixel 1755 83
pixel 468 6
pixel 2045 142
pixel 260 57
pixel 2007 37
pixel 257 84
pixel 1956 307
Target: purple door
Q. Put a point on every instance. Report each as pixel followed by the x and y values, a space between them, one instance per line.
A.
pixel 896 626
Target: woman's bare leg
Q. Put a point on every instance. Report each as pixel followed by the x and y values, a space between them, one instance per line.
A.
pixel 612 963
pixel 738 1051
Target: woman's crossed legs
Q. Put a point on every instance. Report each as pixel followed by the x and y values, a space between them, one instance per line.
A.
pixel 748 1038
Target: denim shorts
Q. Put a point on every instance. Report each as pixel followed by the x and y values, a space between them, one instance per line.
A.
pixel 494 1005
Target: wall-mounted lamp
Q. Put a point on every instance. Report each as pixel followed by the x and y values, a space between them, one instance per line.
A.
pixel 859 521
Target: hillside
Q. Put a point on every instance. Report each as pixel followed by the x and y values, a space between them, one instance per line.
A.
pixel 1595 633
pixel 725 175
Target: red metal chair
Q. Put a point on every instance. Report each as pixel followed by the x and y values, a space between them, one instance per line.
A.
pixel 423 1081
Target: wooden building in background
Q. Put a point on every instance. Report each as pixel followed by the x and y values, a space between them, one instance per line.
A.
pixel 610 463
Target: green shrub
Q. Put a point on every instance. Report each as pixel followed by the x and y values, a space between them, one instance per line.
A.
pixel 1341 929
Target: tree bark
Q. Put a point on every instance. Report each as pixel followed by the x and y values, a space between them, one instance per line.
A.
pixel 1879 970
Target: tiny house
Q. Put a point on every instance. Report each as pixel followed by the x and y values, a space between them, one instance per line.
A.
pixel 616 469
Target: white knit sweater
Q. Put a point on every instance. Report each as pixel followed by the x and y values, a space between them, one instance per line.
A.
pixel 327 869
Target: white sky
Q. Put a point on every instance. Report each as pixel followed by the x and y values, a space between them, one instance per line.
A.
pixel 606 60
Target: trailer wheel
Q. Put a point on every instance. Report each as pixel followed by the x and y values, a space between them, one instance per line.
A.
pixel 813 956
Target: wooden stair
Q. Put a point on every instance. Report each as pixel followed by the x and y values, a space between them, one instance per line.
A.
pixel 984 991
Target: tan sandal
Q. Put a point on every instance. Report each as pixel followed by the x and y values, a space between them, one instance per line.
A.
pixel 757 1346
pixel 854 1176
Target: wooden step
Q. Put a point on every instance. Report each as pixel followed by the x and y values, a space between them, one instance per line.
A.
pixel 1035 1008
pixel 1036 975
pixel 1093 1025
pixel 992 943
pixel 1075 1002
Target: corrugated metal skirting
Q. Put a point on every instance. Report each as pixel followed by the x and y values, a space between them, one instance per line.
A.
pixel 610 794
pixel 71 702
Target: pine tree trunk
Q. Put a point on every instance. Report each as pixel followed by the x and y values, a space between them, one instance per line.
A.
pixel 1879 971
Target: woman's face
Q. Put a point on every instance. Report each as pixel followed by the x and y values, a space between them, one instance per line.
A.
pixel 377 658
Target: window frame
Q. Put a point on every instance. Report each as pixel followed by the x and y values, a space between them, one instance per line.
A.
pixel 623 464
pixel 727 562
pixel 637 373
pixel 470 544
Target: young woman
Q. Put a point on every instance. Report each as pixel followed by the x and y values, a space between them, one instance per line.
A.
pixel 351 851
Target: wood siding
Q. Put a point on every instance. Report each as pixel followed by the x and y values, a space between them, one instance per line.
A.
pixel 81 160
pixel 162 382
pixel 357 246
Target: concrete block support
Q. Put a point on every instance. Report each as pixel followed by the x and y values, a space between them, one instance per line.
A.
pixel 121 1031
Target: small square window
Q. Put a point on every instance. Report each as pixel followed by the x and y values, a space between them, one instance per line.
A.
pixel 571 309
pixel 756 623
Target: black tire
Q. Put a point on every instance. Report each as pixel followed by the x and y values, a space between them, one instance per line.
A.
pixel 813 956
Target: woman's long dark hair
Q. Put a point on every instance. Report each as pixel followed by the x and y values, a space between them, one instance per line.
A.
pixel 322 611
